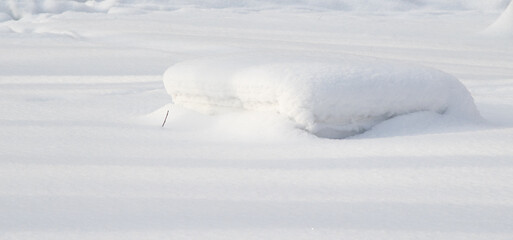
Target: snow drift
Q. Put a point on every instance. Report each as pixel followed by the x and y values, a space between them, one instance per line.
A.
pixel 329 97
pixel 503 26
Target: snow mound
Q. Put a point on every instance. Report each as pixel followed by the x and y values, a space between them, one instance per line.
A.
pixel 329 97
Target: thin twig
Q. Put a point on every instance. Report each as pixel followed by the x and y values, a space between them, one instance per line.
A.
pixel 165 118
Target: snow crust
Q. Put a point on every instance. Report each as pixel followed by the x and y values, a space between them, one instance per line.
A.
pixel 330 97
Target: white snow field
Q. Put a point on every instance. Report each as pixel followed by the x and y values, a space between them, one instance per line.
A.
pixel 82 100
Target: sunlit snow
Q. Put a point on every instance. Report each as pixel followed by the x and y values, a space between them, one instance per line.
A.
pixel 424 88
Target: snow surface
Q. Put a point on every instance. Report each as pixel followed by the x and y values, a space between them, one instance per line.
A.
pixel 17 9
pixel 332 98
pixel 504 24
pixel 83 154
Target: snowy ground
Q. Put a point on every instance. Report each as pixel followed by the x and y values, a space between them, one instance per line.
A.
pixel 83 156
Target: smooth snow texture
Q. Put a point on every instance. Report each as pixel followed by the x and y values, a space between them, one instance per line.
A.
pixel 347 5
pixel 330 97
pixel 504 24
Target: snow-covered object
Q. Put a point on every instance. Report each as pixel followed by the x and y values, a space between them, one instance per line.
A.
pixel 329 97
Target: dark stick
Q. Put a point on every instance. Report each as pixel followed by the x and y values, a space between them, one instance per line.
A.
pixel 165 118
